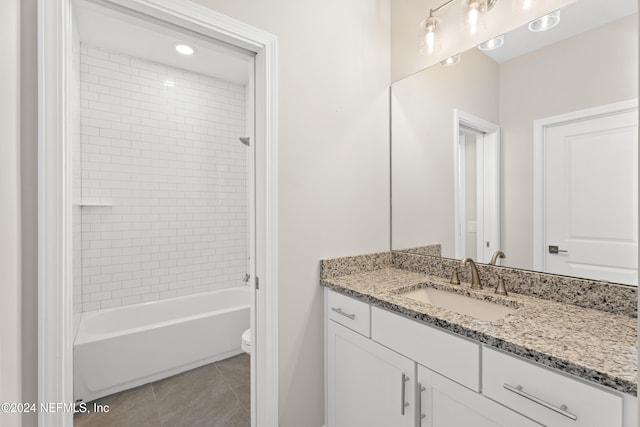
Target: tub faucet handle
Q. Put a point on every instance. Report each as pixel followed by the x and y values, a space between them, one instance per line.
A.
pixel 246 278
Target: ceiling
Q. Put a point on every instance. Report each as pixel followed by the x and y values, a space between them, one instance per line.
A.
pixel 578 17
pixel 154 41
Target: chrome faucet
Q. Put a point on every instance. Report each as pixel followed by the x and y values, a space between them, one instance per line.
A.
pixel 495 256
pixel 475 277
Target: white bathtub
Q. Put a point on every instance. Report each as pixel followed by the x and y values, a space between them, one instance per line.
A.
pixel 123 347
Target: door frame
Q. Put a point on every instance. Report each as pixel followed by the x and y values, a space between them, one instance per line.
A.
pixel 55 293
pixel 540 127
pixel 488 182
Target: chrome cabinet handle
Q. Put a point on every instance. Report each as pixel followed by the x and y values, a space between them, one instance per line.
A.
pixel 421 388
pixel 562 410
pixel 339 311
pixel 403 404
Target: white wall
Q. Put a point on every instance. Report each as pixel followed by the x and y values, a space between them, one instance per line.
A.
pixel 166 159
pixel 29 203
pixel 10 302
pixel 333 77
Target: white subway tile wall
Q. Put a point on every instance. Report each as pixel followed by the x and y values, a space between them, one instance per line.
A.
pixel 163 167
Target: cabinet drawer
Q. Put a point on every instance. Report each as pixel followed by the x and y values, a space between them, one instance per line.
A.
pixel 349 312
pixel 453 357
pixel 548 397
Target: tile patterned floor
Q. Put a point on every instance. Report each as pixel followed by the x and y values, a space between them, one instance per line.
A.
pixel 215 395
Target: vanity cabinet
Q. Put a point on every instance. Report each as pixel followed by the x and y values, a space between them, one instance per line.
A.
pixel 370 384
pixel 445 403
pixel 367 384
pixel 384 370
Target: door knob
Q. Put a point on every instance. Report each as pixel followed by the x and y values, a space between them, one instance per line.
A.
pixel 555 250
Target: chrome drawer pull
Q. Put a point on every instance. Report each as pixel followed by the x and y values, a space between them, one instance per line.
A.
pixel 339 311
pixel 562 410
pixel 421 389
pixel 403 404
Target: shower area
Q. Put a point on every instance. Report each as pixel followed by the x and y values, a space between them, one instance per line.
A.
pixel 162 188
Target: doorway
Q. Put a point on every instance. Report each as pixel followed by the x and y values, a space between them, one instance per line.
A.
pixel 585 195
pixel 56 106
pixel 477 187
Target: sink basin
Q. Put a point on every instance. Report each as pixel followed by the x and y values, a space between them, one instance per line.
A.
pixel 461 304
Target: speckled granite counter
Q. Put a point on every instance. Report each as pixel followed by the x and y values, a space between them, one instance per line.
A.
pixel 591 344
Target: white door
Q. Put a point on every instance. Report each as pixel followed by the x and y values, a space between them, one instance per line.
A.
pixel 591 205
pixel 477 187
pixel 488 190
pixel 365 382
pixel 444 403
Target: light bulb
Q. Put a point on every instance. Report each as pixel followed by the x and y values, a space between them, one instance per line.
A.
pixel 429 41
pixel 474 14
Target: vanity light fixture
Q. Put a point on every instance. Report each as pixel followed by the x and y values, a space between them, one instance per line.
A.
pixel 185 49
pixel 450 61
pixel 545 22
pixel 429 28
pixel 428 38
pixel 474 13
pixel 492 44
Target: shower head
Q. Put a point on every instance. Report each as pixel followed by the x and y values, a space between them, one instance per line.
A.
pixel 245 140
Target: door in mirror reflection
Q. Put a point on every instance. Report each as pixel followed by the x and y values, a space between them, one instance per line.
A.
pixel 477 187
pixel 589 201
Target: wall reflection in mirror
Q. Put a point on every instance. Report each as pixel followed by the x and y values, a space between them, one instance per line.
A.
pixel 564 106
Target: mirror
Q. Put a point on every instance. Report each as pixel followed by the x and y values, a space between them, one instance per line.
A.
pixel 584 69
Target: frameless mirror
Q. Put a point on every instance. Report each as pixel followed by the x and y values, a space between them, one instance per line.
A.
pixel 561 195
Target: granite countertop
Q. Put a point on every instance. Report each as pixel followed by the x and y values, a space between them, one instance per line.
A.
pixel 591 344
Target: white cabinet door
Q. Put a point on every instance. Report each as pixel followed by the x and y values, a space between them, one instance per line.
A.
pixel 444 403
pixel 365 382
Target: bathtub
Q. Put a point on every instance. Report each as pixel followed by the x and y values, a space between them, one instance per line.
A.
pixel 124 347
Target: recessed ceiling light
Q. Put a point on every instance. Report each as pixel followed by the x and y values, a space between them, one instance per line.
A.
pixel 545 22
pixel 492 44
pixel 185 49
pixel 452 60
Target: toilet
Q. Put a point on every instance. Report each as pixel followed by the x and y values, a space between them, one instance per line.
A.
pixel 246 341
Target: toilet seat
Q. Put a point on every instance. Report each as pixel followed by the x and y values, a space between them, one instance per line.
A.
pixel 246 341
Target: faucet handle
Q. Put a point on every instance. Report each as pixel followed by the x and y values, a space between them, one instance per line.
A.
pixel 455 280
pixel 501 289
